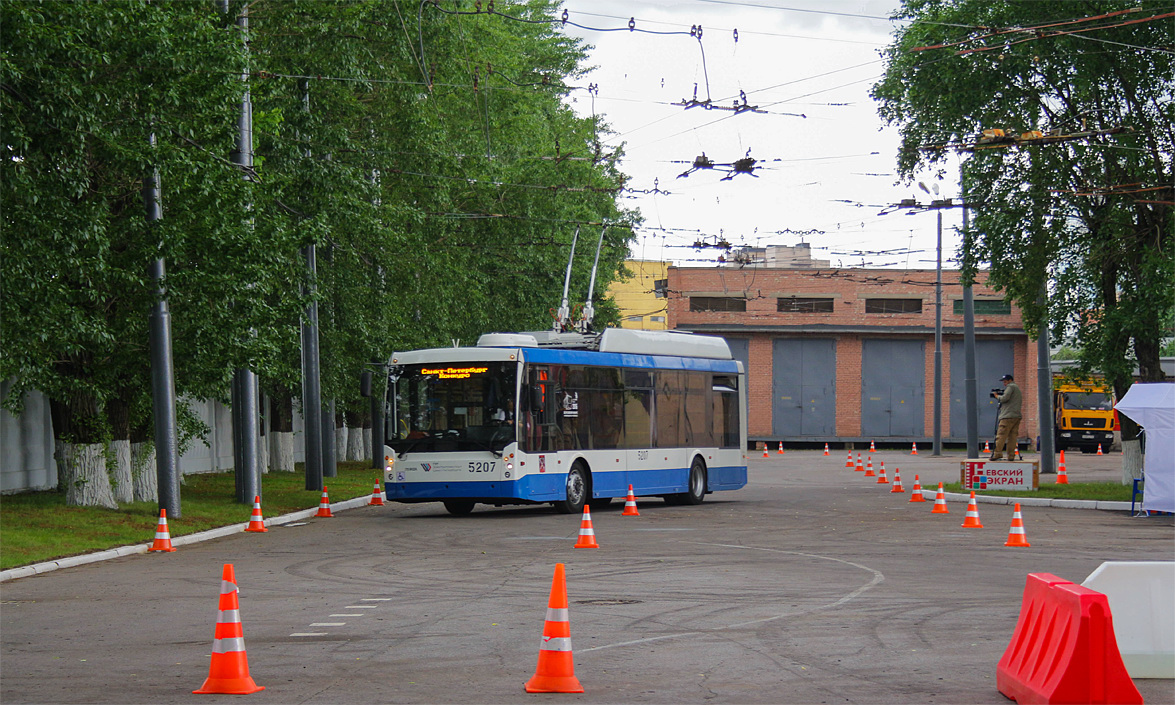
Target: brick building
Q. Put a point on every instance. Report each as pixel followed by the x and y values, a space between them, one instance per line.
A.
pixel 848 354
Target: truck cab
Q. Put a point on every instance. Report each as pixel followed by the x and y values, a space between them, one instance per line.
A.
pixel 1084 414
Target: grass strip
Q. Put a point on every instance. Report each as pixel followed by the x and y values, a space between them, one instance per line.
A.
pixel 38 526
pixel 1099 491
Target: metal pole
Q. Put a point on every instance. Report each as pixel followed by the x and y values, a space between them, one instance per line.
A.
pixel 1044 387
pixel 377 423
pixel 971 392
pixel 311 382
pixel 162 374
pixel 937 447
pixel 244 399
pixel 330 467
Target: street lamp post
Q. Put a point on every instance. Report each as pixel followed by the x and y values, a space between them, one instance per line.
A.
pixel 937 447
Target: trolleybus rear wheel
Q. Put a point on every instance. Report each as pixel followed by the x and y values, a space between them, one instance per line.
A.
pixel 459 507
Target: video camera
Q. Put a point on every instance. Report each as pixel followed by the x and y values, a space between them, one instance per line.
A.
pixel 997 392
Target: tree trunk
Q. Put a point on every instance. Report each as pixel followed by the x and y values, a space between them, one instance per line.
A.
pixel 281 451
pixel 144 474
pixel 121 475
pixel 1131 461
pixel 86 481
pixel 355 444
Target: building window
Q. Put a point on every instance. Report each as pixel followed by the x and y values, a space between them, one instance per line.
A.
pixel 893 305
pixel 716 303
pixel 986 307
pixel 659 287
pixel 634 319
pixel 656 319
pixel 795 304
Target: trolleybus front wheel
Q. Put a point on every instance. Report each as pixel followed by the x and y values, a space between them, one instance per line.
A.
pixel 695 490
pixel 577 490
pixel 459 507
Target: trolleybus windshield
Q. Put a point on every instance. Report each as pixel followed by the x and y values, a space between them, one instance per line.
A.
pixel 462 406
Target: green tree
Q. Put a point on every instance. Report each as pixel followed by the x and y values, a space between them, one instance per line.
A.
pixel 1092 215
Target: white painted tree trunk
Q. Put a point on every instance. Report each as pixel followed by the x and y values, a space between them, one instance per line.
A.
pixel 341 442
pixel 120 475
pixel 1131 461
pixel 144 474
pixel 367 444
pixel 281 451
pixel 354 444
pixel 263 453
pixel 83 468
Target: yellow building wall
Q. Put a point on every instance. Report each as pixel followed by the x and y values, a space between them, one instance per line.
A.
pixel 640 308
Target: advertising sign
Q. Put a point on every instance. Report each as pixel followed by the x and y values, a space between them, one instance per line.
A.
pixel 1000 475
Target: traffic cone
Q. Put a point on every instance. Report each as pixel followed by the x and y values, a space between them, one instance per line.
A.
pixel 1099 449
pixel 555 672
pixel 916 493
pixel 324 505
pixel 630 505
pixel 826 449
pixel 986 448
pixel 881 478
pixel 1016 536
pixel 897 481
pixel 869 468
pixel 971 521
pixel 587 535
pixel 914 449
pixel 228 673
pixel 872 447
pixel 781 447
pixel 256 523
pixel 849 461
pixel 162 540
pixel 377 497
pixel 860 466
pixel 1062 474
pixel 765 454
pixel 1018 456
pixel 940 502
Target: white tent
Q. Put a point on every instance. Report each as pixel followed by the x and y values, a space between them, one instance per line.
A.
pixel 1152 406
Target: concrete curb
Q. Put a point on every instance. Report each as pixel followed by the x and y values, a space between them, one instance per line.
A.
pixel 25 571
pixel 1032 501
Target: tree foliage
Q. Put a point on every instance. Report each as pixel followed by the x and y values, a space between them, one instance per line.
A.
pixel 430 155
pixel 1087 207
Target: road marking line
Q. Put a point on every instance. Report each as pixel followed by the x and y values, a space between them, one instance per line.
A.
pixel 328 624
pixel 348 615
pixel 360 607
pixel 375 599
pixel 308 634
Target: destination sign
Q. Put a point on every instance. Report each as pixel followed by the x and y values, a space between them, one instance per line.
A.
pixel 453 372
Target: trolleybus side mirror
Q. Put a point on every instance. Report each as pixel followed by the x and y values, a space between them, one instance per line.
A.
pixel 536 399
pixel 365 383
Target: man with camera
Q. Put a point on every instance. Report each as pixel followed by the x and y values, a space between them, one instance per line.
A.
pixel 1008 431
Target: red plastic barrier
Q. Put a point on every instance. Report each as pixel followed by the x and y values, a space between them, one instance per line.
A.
pixel 1063 649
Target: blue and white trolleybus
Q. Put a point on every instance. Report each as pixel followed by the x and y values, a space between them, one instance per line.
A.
pixel 567 418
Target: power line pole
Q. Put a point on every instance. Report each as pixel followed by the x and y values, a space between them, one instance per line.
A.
pixel 311 376
pixel 162 372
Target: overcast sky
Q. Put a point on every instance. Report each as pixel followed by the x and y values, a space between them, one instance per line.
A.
pixel 826 163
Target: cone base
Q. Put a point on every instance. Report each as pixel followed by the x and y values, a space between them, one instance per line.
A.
pixel 228 686
pixel 937 510
pixel 553 684
pixel 593 544
pixel 976 525
pixel 627 513
pixel 258 529
pixel 167 549
pixel 325 514
pixel 1023 544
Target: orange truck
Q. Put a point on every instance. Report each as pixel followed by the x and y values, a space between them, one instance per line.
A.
pixel 1084 414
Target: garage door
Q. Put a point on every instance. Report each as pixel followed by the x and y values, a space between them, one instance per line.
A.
pixel 993 359
pixel 803 382
pixel 893 388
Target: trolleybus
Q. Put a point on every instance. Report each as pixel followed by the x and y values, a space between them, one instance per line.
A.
pixel 565 418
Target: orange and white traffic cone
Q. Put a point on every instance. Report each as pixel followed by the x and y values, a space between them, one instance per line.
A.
pixel 897 481
pixel 869 468
pixel 377 497
pixel 256 523
pixel 587 535
pixel 971 521
pixel 872 447
pixel 826 449
pixel 881 478
pixel 860 465
pixel 913 449
pixel 765 453
pixel 781 447
pixel 849 461
pixel 940 502
pixel 986 448
pixel 324 505
pixel 555 672
pixel 916 493
pixel 1099 449
pixel 1016 535
pixel 228 673
pixel 162 540
pixel 630 505
pixel 1018 456
pixel 1062 474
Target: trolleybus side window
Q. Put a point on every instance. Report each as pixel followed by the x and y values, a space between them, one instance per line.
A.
pixel 725 410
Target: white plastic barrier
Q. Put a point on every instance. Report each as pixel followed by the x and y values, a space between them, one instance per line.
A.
pixel 1142 601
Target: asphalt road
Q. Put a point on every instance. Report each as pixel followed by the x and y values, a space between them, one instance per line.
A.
pixel 811 585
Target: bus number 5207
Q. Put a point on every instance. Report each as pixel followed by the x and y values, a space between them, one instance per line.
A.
pixel 481 466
